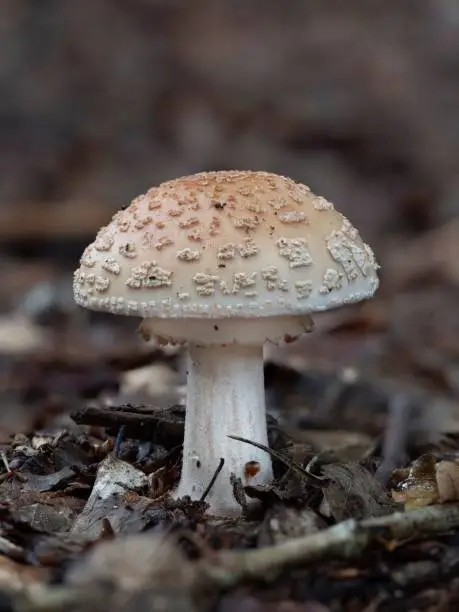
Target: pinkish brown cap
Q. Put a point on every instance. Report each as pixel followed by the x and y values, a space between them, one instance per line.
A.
pixel 226 244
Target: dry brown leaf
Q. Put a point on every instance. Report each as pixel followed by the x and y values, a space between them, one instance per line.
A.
pixel 427 481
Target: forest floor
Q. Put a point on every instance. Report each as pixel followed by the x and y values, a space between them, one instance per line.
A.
pixel 91 426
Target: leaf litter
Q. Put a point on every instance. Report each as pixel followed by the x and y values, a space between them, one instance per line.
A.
pixel 363 430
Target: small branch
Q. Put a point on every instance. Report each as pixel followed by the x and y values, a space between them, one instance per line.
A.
pixel 345 540
pixel 227 569
pixel 48 599
pixel 213 479
pixel 152 425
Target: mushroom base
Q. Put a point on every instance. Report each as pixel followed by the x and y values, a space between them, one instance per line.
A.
pixel 220 332
pixel 225 396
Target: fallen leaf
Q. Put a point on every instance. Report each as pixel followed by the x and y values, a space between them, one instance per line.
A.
pixel 114 479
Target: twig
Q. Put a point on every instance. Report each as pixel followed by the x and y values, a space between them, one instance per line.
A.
pixel 295 467
pixel 224 570
pixel 345 540
pixel 213 479
pixel 48 599
pixel 152 425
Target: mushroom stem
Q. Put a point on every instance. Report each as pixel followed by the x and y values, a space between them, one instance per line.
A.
pixel 225 396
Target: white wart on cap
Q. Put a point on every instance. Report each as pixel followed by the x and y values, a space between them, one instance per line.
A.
pixel 226 244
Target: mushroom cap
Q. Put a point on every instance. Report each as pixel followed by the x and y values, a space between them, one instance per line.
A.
pixel 226 244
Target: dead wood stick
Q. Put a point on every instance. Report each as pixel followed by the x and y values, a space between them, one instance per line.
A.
pixel 46 599
pixel 152 425
pixel 345 540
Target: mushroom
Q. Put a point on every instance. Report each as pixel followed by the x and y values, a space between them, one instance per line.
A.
pixel 225 261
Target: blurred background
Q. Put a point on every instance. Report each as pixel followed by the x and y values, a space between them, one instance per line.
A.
pixel 101 100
